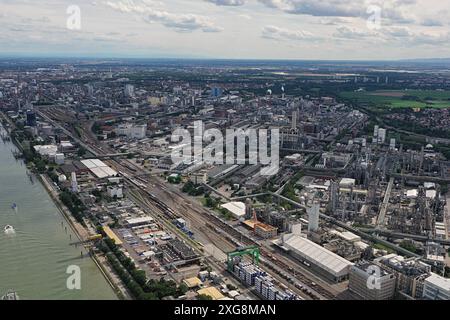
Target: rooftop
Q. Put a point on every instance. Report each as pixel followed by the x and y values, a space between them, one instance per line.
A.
pixel 317 254
pixel 437 280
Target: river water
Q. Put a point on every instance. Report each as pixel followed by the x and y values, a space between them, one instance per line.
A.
pixel 34 260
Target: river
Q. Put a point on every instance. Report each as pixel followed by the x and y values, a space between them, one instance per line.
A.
pixel 34 259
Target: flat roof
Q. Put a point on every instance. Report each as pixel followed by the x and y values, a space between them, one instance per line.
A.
pixel 318 255
pixel 192 282
pixel 212 292
pixel 139 220
pixel 236 208
pixel 110 234
pixel 437 280
pixel 99 168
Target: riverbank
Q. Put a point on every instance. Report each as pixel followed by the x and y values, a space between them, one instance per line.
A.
pixel 91 276
pixel 83 235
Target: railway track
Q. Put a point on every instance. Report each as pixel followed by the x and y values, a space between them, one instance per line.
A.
pixel 214 222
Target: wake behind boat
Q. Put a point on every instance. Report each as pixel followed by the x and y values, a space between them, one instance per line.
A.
pixel 8 229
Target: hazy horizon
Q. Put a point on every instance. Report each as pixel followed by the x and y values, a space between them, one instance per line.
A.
pixel 328 30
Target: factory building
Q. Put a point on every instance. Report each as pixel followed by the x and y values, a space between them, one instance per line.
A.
pixel 409 272
pixel 319 259
pixel 132 131
pixel 313 217
pixel 371 282
pixel 265 231
pixel 237 209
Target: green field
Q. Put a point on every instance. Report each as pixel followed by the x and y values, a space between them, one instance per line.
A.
pixel 401 98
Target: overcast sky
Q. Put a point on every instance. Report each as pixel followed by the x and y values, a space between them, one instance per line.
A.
pixel 250 29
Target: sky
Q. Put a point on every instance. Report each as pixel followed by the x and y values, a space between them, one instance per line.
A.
pixel 229 29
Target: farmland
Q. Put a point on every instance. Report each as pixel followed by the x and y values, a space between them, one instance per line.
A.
pixel 400 98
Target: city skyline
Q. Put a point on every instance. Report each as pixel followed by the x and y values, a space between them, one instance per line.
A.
pixel 228 29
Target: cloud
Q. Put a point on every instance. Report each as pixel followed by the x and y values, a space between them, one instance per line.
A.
pixel 395 36
pixel 432 22
pixel 327 8
pixel 246 16
pixel 231 3
pixel 178 22
pixel 277 33
pixel 390 10
pixel 344 32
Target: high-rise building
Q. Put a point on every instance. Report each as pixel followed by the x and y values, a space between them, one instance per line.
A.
pixel 129 90
pixel 381 135
pixel 90 90
pixel 375 131
pixel 392 144
pixel 31 118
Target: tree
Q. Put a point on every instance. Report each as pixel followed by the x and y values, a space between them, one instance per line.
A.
pixel 81 151
pixel 203 297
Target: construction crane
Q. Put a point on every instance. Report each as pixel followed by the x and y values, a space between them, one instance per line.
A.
pixel 252 251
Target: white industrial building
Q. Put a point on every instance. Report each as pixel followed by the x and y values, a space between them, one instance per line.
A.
pixel 99 168
pixel 313 217
pixel 46 150
pixel 321 260
pixel 132 131
pixel 436 288
pixel 115 191
pixel 237 209
pixel 135 222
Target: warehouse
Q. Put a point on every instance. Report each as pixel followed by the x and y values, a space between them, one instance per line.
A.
pixel 99 168
pixel 319 259
pixel 237 209
pixel 141 221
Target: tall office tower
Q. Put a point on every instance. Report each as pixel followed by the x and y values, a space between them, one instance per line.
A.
pixel 31 118
pixel 129 90
pixel 375 132
pixel 381 135
pixel 392 144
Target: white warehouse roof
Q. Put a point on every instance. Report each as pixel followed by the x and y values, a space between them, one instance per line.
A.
pixel 140 220
pixel 99 168
pixel 236 208
pixel 325 259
